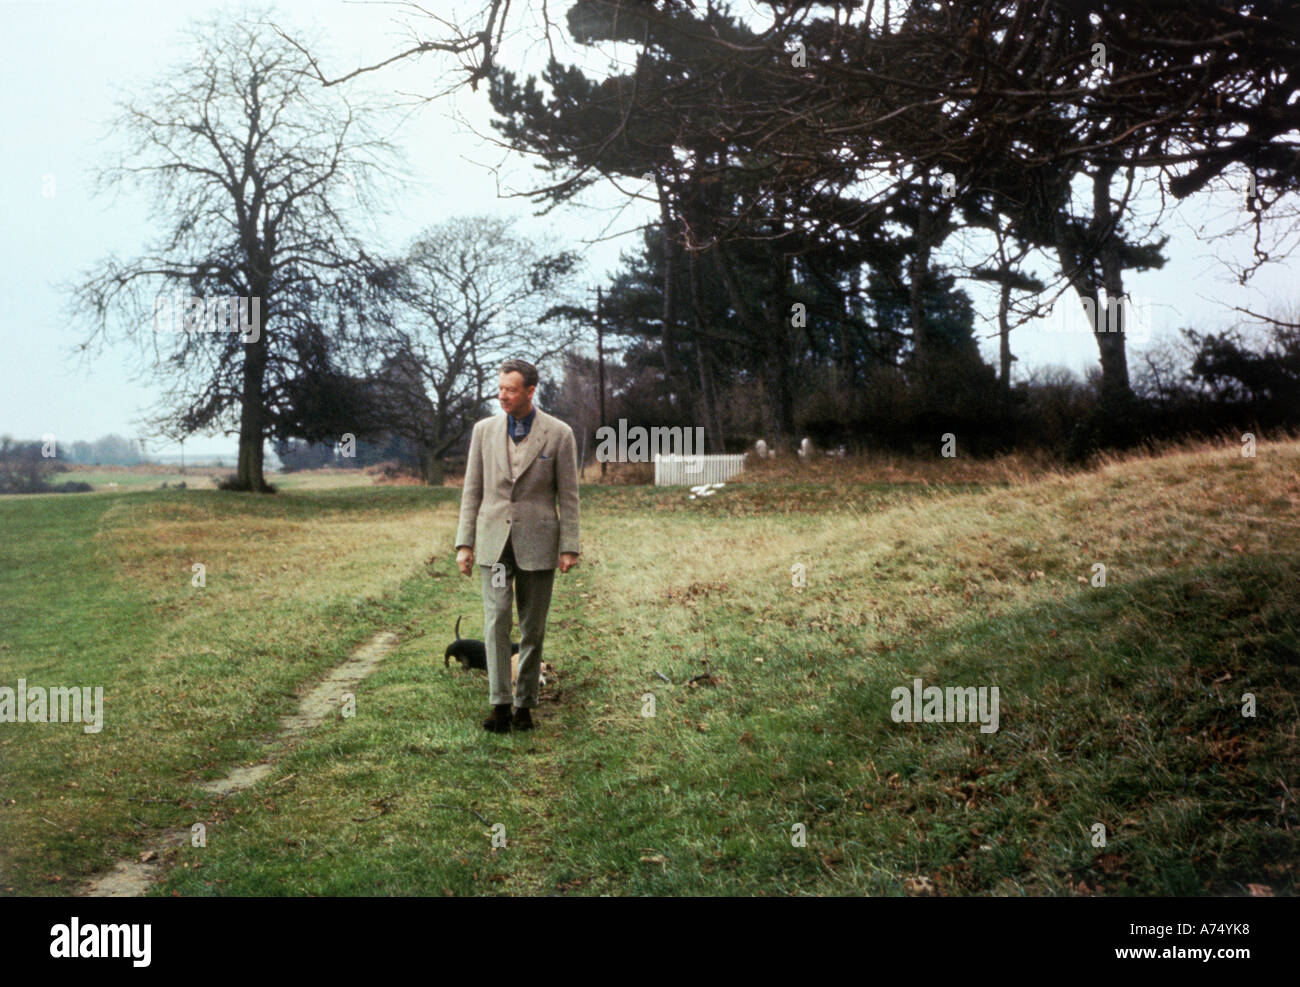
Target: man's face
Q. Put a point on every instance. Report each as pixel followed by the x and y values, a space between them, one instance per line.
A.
pixel 514 397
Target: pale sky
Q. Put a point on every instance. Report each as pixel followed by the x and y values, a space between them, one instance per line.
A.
pixel 62 61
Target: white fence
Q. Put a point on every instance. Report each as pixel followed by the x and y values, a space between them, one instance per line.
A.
pixel 693 470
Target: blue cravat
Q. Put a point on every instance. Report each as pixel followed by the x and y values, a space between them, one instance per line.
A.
pixel 519 429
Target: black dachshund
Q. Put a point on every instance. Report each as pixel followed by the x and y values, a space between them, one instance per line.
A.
pixel 471 653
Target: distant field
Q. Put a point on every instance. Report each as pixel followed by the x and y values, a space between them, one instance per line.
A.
pixel 1121 705
pixel 128 478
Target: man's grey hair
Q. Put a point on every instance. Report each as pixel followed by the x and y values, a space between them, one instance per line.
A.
pixel 525 368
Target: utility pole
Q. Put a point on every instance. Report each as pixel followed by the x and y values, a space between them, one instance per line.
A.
pixel 600 366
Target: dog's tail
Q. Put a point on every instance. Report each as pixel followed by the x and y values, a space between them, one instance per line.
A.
pixel 446 657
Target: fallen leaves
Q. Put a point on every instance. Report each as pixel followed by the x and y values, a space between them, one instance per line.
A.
pixel 695 591
pixel 1110 863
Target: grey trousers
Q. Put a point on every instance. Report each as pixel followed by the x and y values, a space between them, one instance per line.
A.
pixel 532 590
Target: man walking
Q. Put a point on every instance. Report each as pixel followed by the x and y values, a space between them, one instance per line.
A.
pixel 519 508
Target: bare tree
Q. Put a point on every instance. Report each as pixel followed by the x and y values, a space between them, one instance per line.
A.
pixel 471 294
pixel 246 160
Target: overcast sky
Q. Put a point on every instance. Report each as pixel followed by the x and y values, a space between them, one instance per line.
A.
pixel 64 64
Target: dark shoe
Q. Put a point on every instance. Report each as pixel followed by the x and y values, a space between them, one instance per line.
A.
pixel 499 721
pixel 523 720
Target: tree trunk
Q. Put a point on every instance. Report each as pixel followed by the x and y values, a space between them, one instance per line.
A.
pixel 600 370
pixel 920 264
pixel 672 369
pixel 431 466
pixel 708 395
pixel 1110 345
pixel 709 399
pixel 848 365
pixel 1004 333
pixel 787 340
pixel 1079 264
pixel 252 417
pixel 1114 361
pixel 1090 266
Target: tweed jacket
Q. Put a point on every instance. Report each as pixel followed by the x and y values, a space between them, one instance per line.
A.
pixel 538 510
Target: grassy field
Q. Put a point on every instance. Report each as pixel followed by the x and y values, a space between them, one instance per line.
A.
pixel 1120 705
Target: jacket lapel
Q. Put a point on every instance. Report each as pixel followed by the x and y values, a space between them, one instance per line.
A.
pixel 501 435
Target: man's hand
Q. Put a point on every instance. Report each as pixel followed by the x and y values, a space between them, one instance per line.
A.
pixel 567 561
pixel 465 560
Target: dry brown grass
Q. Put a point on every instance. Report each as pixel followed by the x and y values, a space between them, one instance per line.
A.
pixel 881 467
